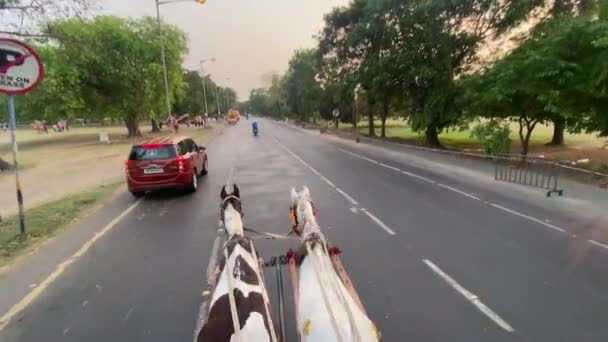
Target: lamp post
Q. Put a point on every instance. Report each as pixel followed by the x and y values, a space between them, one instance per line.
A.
pixel 162 47
pixel 226 94
pixel 217 102
pixel 203 76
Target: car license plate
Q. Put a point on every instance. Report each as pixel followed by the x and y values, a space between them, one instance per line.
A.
pixel 153 171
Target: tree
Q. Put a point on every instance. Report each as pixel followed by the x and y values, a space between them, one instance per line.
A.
pixel 415 49
pixel 27 17
pixel 193 97
pixel 516 88
pixel 229 97
pixel 57 96
pixel 119 63
pixel 302 90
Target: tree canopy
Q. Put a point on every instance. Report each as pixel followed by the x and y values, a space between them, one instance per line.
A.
pixel 420 59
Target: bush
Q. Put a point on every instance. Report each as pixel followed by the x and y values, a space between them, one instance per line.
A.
pixel 494 136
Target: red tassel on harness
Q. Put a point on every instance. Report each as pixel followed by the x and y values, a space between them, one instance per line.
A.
pixel 290 255
pixel 334 250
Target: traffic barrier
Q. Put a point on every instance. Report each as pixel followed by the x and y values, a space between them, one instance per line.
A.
pixel 530 172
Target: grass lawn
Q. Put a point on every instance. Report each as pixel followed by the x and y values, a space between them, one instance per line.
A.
pixel 578 146
pixel 461 138
pixel 80 143
pixel 44 221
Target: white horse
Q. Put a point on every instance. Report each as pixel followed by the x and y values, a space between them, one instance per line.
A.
pixel 239 308
pixel 326 310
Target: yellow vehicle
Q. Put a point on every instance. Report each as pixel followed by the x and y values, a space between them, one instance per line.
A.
pixel 233 116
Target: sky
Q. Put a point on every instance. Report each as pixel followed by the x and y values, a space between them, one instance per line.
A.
pixel 250 39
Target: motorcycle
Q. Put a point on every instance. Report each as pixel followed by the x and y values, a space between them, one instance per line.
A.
pixel 255 132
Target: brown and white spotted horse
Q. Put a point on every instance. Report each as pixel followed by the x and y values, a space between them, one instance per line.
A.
pixel 326 309
pixel 239 290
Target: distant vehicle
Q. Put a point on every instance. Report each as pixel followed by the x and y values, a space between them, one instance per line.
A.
pixel 233 116
pixel 167 162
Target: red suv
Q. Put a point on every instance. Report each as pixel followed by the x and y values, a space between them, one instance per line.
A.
pixel 167 162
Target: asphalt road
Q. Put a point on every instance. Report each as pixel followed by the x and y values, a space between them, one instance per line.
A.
pixel 431 262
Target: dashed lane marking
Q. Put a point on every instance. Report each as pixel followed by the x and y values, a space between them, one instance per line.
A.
pixel 510 211
pixel 470 297
pixel 354 202
pixel 599 244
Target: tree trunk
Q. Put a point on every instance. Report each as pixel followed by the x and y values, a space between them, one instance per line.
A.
pixel 370 118
pixel 133 126
pixel 383 119
pixel 432 137
pixel 559 127
pixel 155 127
pixel 525 139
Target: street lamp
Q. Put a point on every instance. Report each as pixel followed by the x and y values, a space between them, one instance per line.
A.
pixel 226 94
pixel 203 76
pixel 162 46
pixel 217 102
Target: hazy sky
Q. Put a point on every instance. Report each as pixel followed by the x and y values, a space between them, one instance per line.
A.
pixel 248 38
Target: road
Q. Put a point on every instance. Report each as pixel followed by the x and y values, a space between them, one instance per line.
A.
pixel 433 259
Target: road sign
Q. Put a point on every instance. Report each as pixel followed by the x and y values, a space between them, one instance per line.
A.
pixel 20 67
pixel 335 113
pixel 20 72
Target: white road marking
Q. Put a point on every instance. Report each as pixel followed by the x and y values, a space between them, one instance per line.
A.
pixel 389 166
pixel 85 303
pixel 459 191
pixel 470 297
pixel 37 291
pixel 510 211
pixel 66 330
pixel 428 180
pixel 126 317
pixel 379 222
pixel 328 182
pixel 340 191
pixel 599 244
pixel 354 210
pixel 347 196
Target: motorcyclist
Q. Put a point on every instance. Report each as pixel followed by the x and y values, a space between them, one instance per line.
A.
pixel 254 126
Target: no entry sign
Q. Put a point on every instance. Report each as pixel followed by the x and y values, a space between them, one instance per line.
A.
pixel 20 67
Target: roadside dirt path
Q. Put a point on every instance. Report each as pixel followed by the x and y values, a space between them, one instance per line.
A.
pixel 62 169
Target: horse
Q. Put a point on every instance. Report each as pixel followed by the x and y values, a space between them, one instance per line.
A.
pixel 239 309
pixel 325 309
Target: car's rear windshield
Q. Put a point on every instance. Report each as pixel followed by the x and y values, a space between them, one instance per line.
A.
pixel 150 152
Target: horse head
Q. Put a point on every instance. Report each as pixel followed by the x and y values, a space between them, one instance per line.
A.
pixel 303 213
pixel 231 210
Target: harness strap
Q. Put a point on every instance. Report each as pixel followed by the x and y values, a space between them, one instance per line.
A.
pixel 295 286
pixel 354 329
pixel 230 197
pixel 273 335
pixel 317 270
pixel 339 266
pixel 233 311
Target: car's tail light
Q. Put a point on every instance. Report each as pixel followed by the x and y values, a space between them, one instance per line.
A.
pixel 181 163
pixel 127 167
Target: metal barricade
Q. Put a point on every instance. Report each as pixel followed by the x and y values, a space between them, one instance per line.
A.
pixel 529 172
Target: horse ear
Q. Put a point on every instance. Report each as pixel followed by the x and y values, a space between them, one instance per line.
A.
pixel 294 196
pixel 223 193
pixel 235 191
pixel 305 191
